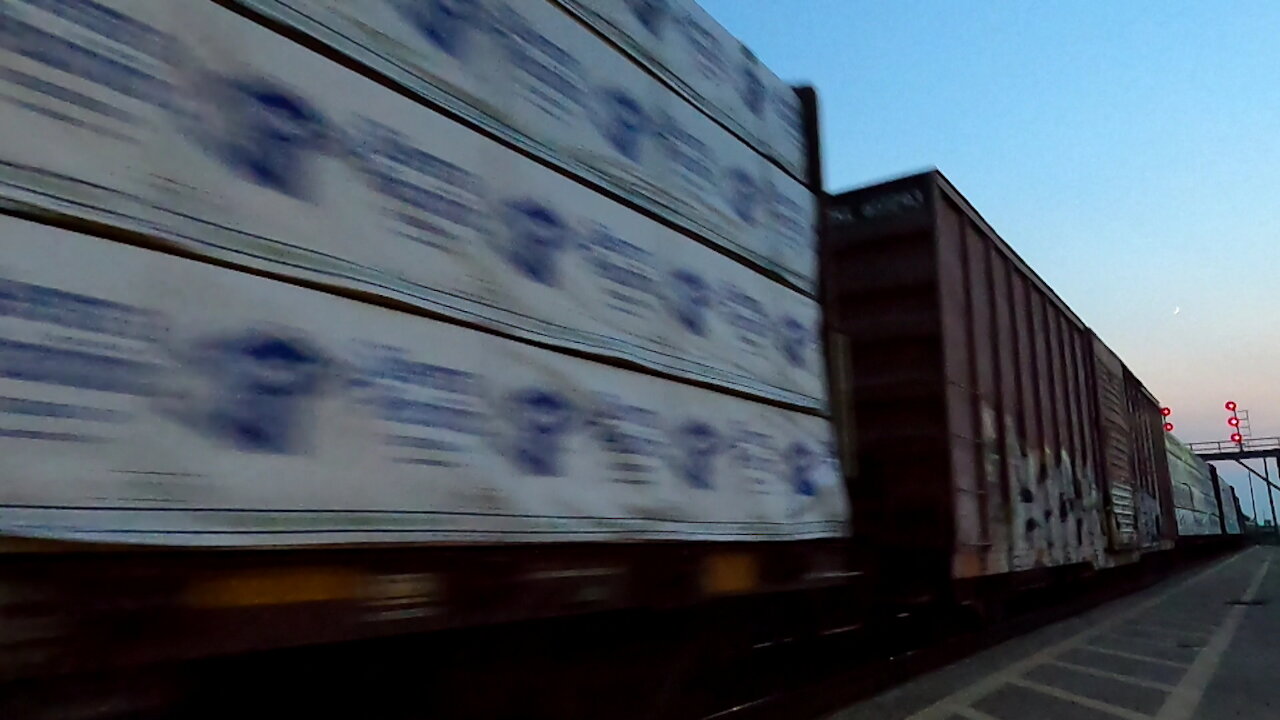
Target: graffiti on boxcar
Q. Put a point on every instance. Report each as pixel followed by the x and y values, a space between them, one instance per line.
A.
pixel 997 529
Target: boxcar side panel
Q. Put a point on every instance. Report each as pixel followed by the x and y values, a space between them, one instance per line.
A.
pixel 985 346
pixel 1083 422
pixel 1145 502
pixel 1095 462
pixel 1164 474
pixel 1067 502
pixel 1015 407
pixel 1009 424
pixel 1158 521
pixel 1067 465
pixel 993 426
pixel 1026 523
pixel 957 333
pixel 1193 495
pixel 1115 439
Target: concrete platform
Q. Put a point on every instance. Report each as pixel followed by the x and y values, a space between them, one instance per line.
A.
pixel 1200 646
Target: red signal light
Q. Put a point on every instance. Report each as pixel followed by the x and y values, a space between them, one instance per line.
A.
pixel 1166 412
pixel 1168 427
pixel 1231 406
pixel 1237 438
pixel 1233 421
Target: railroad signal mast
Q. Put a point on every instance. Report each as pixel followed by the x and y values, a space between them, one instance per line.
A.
pixel 1165 413
pixel 1238 421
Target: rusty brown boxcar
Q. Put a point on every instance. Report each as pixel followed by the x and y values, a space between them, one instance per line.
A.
pixel 997 435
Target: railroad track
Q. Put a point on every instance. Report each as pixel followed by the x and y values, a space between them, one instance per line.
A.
pixel 845 685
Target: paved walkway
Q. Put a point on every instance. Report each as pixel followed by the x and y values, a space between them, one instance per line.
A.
pixel 1204 646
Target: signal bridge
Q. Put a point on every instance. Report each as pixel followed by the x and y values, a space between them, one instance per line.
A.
pixel 1247 449
pixel 1239 449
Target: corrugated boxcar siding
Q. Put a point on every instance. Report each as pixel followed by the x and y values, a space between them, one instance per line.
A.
pixel 1145 504
pixel 1157 521
pixel 1032 413
pixel 1098 444
pixel 1042 508
pixel 1067 481
pixel 1116 441
pixel 984 340
pixel 978 396
pixel 1010 423
pixel 1061 485
pixel 1154 456
pixel 1087 518
pixel 1027 536
pixel 1068 460
pixel 1094 482
pixel 1018 410
pixel 968 487
pixel 1055 503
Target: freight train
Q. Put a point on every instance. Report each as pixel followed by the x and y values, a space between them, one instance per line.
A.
pixel 1206 506
pixel 522 335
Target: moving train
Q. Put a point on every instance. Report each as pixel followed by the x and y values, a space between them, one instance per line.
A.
pixel 522 341
pixel 1206 506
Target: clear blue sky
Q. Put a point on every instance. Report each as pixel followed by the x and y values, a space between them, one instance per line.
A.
pixel 1129 150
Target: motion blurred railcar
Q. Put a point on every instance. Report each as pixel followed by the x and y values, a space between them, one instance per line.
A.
pixel 996 433
pixel 987 439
